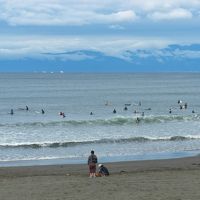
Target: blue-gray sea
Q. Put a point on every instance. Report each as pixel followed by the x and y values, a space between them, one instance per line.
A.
pixel 146 130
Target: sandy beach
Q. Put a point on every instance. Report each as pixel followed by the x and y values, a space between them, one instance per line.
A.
pixel 174 179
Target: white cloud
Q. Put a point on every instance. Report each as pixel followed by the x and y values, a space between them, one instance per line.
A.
pixel 55 12
pixel 121 16
pixel 40 46
pixel 169 53
pixel 116 27
pixel 72 48
pixel 172 15
pixel 80 12
pixel 186 53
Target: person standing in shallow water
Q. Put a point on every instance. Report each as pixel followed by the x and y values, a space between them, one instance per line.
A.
pixel 92 161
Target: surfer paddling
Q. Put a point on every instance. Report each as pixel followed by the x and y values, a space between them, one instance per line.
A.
pixel 62 114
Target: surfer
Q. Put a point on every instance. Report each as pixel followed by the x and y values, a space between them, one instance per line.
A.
pixel 125 108
pixel 27 108
pixel 185 105
pixel 42 111
pixel 137 120
pixel 62 114
pixel 143 114
pixel 91 113
pixel 107 103
pixel 170 110
pixel 11 112
pixel 193 111
pixel 179 101
pixel 114 111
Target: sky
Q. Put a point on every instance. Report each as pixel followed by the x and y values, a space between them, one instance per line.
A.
pixel 99 36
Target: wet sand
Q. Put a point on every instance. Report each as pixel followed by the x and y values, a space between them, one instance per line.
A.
pixel 172 179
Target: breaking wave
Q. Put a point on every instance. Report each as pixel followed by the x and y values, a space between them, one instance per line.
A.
pixel 111 121
pixel 101 141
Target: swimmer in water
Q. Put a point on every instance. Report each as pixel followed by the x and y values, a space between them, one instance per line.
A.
pixel 125 108
pixel 137 120
pixel 185 105
pixel 91 113
pixel 62 114
pixel 143 114
pixel 11 112
pixel 114 111
pixel 170 110
pixel 179 101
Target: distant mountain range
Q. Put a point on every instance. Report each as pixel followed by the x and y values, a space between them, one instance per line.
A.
pixel 172 58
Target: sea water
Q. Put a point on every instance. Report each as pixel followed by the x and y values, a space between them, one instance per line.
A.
pixel 146 130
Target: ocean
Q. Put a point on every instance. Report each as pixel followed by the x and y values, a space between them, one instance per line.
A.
pixel 145 129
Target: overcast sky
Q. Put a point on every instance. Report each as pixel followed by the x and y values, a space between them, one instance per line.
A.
pixel 66 30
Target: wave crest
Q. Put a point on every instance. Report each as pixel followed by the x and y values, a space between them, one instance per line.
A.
pixel 111 121
pixel 101 141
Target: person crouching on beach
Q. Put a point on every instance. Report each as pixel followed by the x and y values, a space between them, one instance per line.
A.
pixel 92 161
pixel 103 171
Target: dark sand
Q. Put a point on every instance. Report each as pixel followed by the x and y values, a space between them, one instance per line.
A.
pixel 172 179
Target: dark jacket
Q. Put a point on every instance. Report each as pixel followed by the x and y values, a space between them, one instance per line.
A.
pixel 92 159
pixel 104 171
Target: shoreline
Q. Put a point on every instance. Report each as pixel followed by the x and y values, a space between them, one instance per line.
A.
pixel 165 179
pixel 192 162
pixel 117 159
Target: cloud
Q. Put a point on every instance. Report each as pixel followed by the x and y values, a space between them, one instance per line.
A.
pixel 55 12
pixel 75 48
pixel 172 15
pixel 81 12
pixel 116 27
pixel 186 54
pixel 37 46
pixel 126 16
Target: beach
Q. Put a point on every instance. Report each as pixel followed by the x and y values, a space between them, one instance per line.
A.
pixel 174 179
pixel 147 149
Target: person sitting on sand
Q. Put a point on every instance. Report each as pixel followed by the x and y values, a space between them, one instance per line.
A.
pixel 103 171
pixel 92 161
